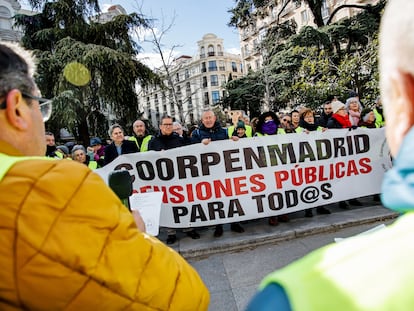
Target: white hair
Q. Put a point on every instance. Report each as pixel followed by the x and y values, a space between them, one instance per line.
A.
pixel 396 41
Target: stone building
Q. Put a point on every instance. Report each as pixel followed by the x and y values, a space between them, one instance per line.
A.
pixel 196 83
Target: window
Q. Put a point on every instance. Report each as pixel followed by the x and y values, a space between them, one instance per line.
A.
pixel 304 16
pixel 212 65
pixel 325 10
pixel 202 52
pixel 214 80
pixel 188 88
pixel 203 67
pixel 234 66
pixel 219 50
pixel 215 96
pixel 211 50
pixel 5 18
pixel 187 74
pixel 204 83
pixel 206 99
pixel 221 66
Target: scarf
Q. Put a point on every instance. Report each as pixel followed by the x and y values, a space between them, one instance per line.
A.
pixel 342 120
pixel 269 127
pixel 308 126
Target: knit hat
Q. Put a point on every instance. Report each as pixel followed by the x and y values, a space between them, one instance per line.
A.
pixel 95 141
pixel 63 148
pixel 336 105
pixel 240 125
pixel 78 147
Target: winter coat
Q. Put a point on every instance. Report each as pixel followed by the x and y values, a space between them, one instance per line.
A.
pixel 68 243
pixel 215 133
pixel 165 142
pixel 127 147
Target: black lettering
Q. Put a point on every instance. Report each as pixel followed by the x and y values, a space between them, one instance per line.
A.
pixel 259 158
pixel 216 207
pixel 197 213
pixel 207 160
pixel 259 202
pixel 327 193
pixel 179 211
pixel 235 208
pixel 271 199
pixel 168 172
pixel 228 160
pixel 145 170
pixel 187 163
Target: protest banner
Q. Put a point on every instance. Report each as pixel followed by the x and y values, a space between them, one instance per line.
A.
pixel 227 181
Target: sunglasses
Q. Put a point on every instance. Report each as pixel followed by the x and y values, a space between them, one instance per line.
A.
pixel 45 105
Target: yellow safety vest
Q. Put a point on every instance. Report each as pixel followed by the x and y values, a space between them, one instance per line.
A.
pixel 144 145
pixel 249 130
pixel 363 273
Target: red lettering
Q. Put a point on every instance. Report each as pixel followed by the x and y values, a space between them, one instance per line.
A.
pixel 177 197
pixel 280 177
pixel 365 167
pixel 239 183
pixel 255 180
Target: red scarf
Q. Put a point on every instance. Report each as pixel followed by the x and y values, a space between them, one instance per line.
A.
pixel 343 120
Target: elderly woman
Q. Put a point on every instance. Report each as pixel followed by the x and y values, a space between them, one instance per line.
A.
pixel 119 144
pixel 354 109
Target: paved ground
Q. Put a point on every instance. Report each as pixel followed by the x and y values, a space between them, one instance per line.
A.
pixel 258 232
pixel 233 266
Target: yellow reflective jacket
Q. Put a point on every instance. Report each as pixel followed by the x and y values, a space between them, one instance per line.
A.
pixel 68 243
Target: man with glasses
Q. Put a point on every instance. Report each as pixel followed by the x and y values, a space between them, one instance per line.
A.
pixel 66 239
pixel 164 140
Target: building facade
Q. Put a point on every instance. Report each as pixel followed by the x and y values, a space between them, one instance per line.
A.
pixel 196 83
pixel 251 37
pixel 8 9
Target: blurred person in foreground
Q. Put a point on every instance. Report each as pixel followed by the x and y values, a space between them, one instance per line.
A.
pixel 372 271
pixel 74 246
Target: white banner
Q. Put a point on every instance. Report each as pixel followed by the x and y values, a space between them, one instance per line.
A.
pixel 257 177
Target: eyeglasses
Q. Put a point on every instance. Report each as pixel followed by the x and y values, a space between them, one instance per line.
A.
pixel 45 105
pixel 167 124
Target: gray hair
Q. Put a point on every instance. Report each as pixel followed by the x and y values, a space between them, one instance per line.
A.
pixel 114 126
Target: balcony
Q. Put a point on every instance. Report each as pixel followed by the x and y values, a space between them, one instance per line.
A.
pixel 213 68
pixel 211 54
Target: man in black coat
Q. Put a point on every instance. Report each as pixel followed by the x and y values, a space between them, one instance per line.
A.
pixel 168 139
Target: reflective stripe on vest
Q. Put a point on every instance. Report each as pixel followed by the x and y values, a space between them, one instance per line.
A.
pixel 144 144
pixel 6 162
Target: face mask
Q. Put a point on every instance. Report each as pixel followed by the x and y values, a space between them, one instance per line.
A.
pixel 269 127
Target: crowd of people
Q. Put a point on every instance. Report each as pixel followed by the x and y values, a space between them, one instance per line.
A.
pixel 58 252
pixel 171 134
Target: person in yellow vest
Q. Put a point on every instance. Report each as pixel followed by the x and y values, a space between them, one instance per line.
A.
pixel 231 130
pixel 269 124
pixel 371 272
pixel 79 155
pixel 306 125
pixel 141 135
pixel 379 113
pixel 67 241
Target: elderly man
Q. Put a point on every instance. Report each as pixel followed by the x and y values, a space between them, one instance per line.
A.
pixel 211 130
pixel 67 242
pixel 141 135
pixel 374 271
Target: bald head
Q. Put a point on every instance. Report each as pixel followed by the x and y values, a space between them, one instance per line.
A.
pixel 139 128
pixel 397 70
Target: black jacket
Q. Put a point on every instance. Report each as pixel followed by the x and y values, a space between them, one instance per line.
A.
pixel 127 147
pixel 165 142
